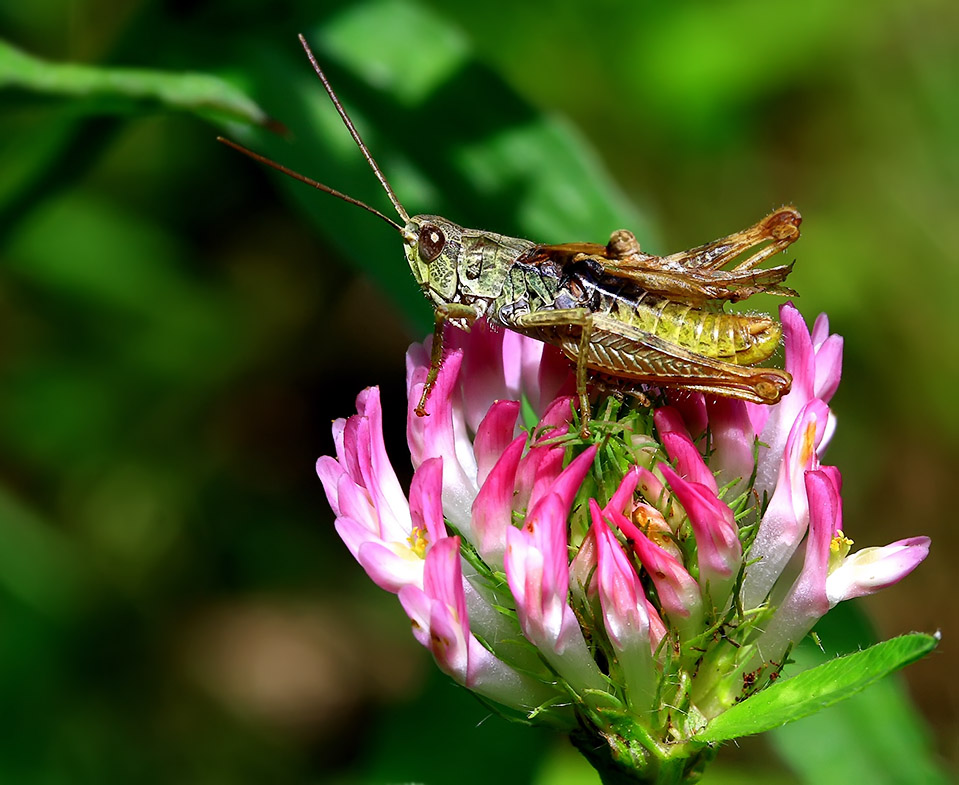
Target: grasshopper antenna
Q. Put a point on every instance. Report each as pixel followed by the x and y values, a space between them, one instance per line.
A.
pixel 308 181
pixel 354 133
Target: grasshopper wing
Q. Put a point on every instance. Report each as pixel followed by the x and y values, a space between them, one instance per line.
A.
pixel 696 275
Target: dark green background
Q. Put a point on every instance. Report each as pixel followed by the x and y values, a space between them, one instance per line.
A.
pixel 178 327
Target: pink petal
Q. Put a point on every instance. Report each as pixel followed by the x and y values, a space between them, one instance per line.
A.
pixel 733 440
pixel 678 592
pixel 571 478
pixel 492 511
pixel 389 569
pixel 329 472
pixel 806 601
pixel 828 367
pixel 680 448
pixel 353 533
pixel 438 611
pixel 538 574
pixel 482 372
pixel 871 569
pixel 820 330
pixel 339 425
pixel 816 366
pixel 356 448
pixel 368 403
pixel 719 551
pixel 538 470
pixel 439 616
pixel 800 355
pixel 417 606
pixel 432 434
pixel 825 510
pixel 692 407
pixel 787 516
pixel 495 432
pixel 657 630
pixel 801 363
pixel 443 579
pixel 623 496
pixel 620 593
pixel 443 433
pixel 557 417
pixel 521 359
pixel 426 499
pixel 554 378
pixel 758 416
pixel 355 503
pixel 535 370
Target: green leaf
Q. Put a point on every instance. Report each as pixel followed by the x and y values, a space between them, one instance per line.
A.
pixel 815 689
pixel 877 736
pixel 116 90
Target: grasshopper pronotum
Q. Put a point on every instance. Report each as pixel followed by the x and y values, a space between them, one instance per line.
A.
pixel 612 310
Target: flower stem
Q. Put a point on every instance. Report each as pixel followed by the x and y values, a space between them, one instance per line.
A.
pixel 622 761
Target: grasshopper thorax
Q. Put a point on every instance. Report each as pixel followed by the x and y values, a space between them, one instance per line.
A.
pixel 432 246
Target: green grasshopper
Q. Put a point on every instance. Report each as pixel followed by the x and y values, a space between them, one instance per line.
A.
pixel 617 313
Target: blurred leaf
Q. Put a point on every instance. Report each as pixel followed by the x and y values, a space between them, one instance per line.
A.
pixel 126 89
pixel 438 51
pixel 566 766
pixel 456 726
pixel 817 688
pixel 37 564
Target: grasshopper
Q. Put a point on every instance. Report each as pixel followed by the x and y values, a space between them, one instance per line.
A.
pixel 617 313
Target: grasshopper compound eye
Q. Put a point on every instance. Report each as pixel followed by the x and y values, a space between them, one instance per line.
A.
pixel 431 242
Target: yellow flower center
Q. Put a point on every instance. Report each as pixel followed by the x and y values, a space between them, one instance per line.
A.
pixel 838 549
pixel 418 540
pixel 808 443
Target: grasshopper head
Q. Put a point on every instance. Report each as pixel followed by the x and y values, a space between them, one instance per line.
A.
pixel 432 246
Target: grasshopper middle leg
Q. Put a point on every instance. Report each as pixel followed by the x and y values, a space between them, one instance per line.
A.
pixel 558 327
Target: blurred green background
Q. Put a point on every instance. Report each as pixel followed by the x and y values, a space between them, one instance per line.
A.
pixel 178 326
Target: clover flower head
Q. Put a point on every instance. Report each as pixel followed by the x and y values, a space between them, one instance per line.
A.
pixel 626 587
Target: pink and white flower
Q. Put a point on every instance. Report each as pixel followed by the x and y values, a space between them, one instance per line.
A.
pixel 580 579
pixel 829 575
pixel 441 623
pixel 386 533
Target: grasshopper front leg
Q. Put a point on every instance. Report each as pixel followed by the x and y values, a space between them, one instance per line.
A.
pixel 441 316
